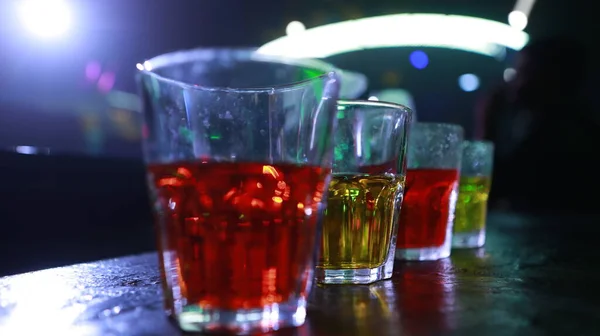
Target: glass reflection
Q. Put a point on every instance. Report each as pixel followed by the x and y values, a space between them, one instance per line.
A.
pixel 354 310
pixel 426 297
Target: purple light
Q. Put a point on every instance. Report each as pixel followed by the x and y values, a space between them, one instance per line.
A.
pixel 106 82
pixel 92 71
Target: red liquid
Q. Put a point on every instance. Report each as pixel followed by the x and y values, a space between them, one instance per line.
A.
pixel 236 235
pixel 426 208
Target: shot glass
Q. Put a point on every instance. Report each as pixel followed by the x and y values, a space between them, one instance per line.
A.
pixel 434 159
pixel 473 191
pixel 238 149
pixel 365 194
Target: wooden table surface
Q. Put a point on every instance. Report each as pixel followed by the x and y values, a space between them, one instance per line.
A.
pixel 534 277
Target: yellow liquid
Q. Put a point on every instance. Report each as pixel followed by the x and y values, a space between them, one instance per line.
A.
pixel 471 206
pixel 361 213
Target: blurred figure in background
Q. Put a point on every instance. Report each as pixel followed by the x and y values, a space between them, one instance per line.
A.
pixel 546 136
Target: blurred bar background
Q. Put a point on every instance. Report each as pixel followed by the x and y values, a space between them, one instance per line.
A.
pixel 70 166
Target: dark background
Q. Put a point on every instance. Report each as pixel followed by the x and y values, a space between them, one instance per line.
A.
pixel 83 197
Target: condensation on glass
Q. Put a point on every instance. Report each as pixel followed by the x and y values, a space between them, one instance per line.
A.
pixel 238 148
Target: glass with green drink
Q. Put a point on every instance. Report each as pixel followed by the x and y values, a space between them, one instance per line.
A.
pixel 474 188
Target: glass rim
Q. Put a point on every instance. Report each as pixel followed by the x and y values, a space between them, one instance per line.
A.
pixel 374 103
pixel 184 56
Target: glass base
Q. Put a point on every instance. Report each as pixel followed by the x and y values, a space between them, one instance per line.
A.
pixel 468 239
pixel 361 276
pixel 422 254
pixel 193 318
pixel 432 252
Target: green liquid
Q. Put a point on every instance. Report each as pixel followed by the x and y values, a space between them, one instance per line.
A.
pixel 471 207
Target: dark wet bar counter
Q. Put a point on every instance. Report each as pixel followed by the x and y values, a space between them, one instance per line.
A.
pixel 536 276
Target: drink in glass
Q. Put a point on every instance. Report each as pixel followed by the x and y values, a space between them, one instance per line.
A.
pixel 434 158
pixel 473 191
pixel 365 194
pixel 238 148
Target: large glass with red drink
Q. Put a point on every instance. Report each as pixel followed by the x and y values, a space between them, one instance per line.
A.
pixel 434 159
pixel 238 148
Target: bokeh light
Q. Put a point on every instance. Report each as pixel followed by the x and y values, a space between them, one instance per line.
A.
pixel 92 71
pixel 509 74
pixel 468 82
pixel 419 59
pixel 295 27
pixel 148 66
pixel 45 18
pixel 517 20
pixel 390 78
pixel 106 82
pixel 473 34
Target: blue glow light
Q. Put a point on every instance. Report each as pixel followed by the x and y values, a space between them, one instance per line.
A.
pixel 419 59
pixel 468 82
